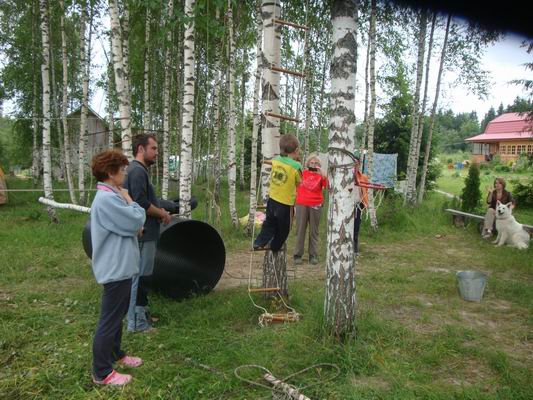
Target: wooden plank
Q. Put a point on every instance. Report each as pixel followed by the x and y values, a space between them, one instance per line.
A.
pixel 528 228
pixel 287 71
pixel 263 290
pixel 291 24
pixel 280 116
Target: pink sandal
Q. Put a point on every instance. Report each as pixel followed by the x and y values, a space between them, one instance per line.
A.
pixel 130 361
pixel 114 378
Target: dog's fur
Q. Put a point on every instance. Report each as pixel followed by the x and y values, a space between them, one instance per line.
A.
pixel 509 230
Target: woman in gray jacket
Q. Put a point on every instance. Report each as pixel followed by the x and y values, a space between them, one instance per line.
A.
pixel 116 221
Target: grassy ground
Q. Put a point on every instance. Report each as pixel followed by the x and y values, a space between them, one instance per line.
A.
pixel 416 338
pixel 452 181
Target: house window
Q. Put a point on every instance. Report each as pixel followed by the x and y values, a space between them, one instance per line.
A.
pixel 502 149
pixel 529 149
pixel 513 149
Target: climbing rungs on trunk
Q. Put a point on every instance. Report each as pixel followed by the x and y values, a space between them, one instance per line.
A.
pixel 287 71
pixel 274 115
pixel 292 24
pixel 263 290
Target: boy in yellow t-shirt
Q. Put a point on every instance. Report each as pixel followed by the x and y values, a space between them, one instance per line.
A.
pixel 284 178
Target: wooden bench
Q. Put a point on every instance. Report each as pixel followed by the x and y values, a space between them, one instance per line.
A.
pixel 459 218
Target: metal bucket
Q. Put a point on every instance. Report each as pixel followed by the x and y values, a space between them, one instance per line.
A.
pixel 471 284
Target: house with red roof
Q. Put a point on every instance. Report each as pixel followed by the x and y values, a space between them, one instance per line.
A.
pixel 507 136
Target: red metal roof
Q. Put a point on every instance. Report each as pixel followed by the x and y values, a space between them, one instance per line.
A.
pixel 508 126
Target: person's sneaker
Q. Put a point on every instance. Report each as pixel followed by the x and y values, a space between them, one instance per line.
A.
pixel 298 261
pixel 260 248
pixel 114 379
pixel 130 361
pixel 487 234
pixel 313 260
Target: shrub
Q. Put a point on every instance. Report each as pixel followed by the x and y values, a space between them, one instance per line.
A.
pixel 471 195
pixel 523 193
pixel 502 168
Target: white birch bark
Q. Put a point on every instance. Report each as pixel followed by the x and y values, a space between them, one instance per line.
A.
pixel 232 165
pixel 340 300
pixel 217 125
pixel 82 143
pixel 412 162
pixel 45 71
pixel 121 79
pixel 64 107
pixel 56 116
pixel 362 145
pixel 256 123
pixel 243 119
pixel 422 186
pixel 110 104
pixel 371 114
pixel 147 114
pixel 36 164
pixel 270 90
pixel 188 112
pixel 166 104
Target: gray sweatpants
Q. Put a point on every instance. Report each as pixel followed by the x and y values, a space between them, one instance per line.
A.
pixel 490 216
pixel 307 215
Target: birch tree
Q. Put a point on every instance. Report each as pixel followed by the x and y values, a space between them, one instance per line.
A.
pixel 422 185
pixel 412 162
pixel 232 164
pixel 256 122
pixel 45 71
pixel 121 78
pixel 270 90
pixel 64 106
pixel 147 114
pixel 36 162
pixel 340 300
pixel 166 103
pixel 188 111
pixel 82 145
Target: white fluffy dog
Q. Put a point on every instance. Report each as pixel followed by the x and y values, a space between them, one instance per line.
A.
pixel 509 230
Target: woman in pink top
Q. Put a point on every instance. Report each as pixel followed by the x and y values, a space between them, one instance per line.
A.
pixel 309 201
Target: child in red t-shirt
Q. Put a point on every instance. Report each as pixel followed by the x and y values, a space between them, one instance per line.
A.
pixel 309 201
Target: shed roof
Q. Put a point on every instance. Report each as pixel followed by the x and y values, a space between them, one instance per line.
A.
pixel 508 126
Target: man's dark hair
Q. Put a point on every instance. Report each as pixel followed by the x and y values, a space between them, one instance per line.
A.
pixel 287 144
pixel 142 140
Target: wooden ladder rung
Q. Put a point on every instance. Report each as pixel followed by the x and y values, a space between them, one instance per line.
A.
pixel 260 207
pixel 285 117
pixel 263 290
pixel 287 71
pixel 287 23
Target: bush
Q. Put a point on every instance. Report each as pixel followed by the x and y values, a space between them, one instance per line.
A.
pixel 502 168
pixel 471 195
pixel 523 193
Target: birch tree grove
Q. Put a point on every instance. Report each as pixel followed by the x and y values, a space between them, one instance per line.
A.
pixel 45 73
pixel 166 104
pixel 82 146
pixel 147 114
pixel 64 104
pixel 422 185
pixel 232 163
pixel 340 300
pixel 188 112
pixel 121 78
pixel 412 163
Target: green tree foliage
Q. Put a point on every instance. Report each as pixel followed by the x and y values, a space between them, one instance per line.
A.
pixel 471 194
pixel 489 116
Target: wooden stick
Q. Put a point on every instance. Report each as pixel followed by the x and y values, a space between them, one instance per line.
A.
pixel 284 387
pixel 263 290
pixel 274 115
pixel 66 206
pixel 287 71
pixel 283 22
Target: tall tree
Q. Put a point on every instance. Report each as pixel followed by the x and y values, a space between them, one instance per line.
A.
pixel 232 164
pixel 340 301
pixel 45 71
pixel 147 114
pixel 423 176
pixel 84 63
pixel 36 159
pixel 166 101
pixel 412 163
pixel 188 111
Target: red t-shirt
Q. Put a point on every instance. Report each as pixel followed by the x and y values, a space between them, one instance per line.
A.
pixel 309 192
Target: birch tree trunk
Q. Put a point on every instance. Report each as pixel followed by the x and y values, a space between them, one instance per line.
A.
pixel 422 186
pixel 110 105
pixel 56 116
pixel 82 144
pixel 45 71
pixel 367 91
pixel 188 112
pixel 412 162
pixel 371 113
pixel 121 79
pixel 166 104
pixel 256 123
pixel 270 90
pixel 243 119
pixel 340 301
pixel 64 109
pixel 217 125
pixel 36 164
pixel 232 165
pixel 147 114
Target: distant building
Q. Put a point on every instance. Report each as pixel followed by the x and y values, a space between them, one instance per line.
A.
pixel 507 136
pixel 97 130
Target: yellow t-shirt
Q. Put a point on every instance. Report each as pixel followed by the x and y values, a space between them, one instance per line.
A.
pixel 285 176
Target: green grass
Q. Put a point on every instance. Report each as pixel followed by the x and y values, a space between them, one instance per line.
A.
pixel 415 337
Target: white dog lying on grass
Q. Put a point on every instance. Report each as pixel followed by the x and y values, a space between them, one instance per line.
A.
pixel 509 230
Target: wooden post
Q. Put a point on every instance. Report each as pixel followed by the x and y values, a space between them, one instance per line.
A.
pixel 275 272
